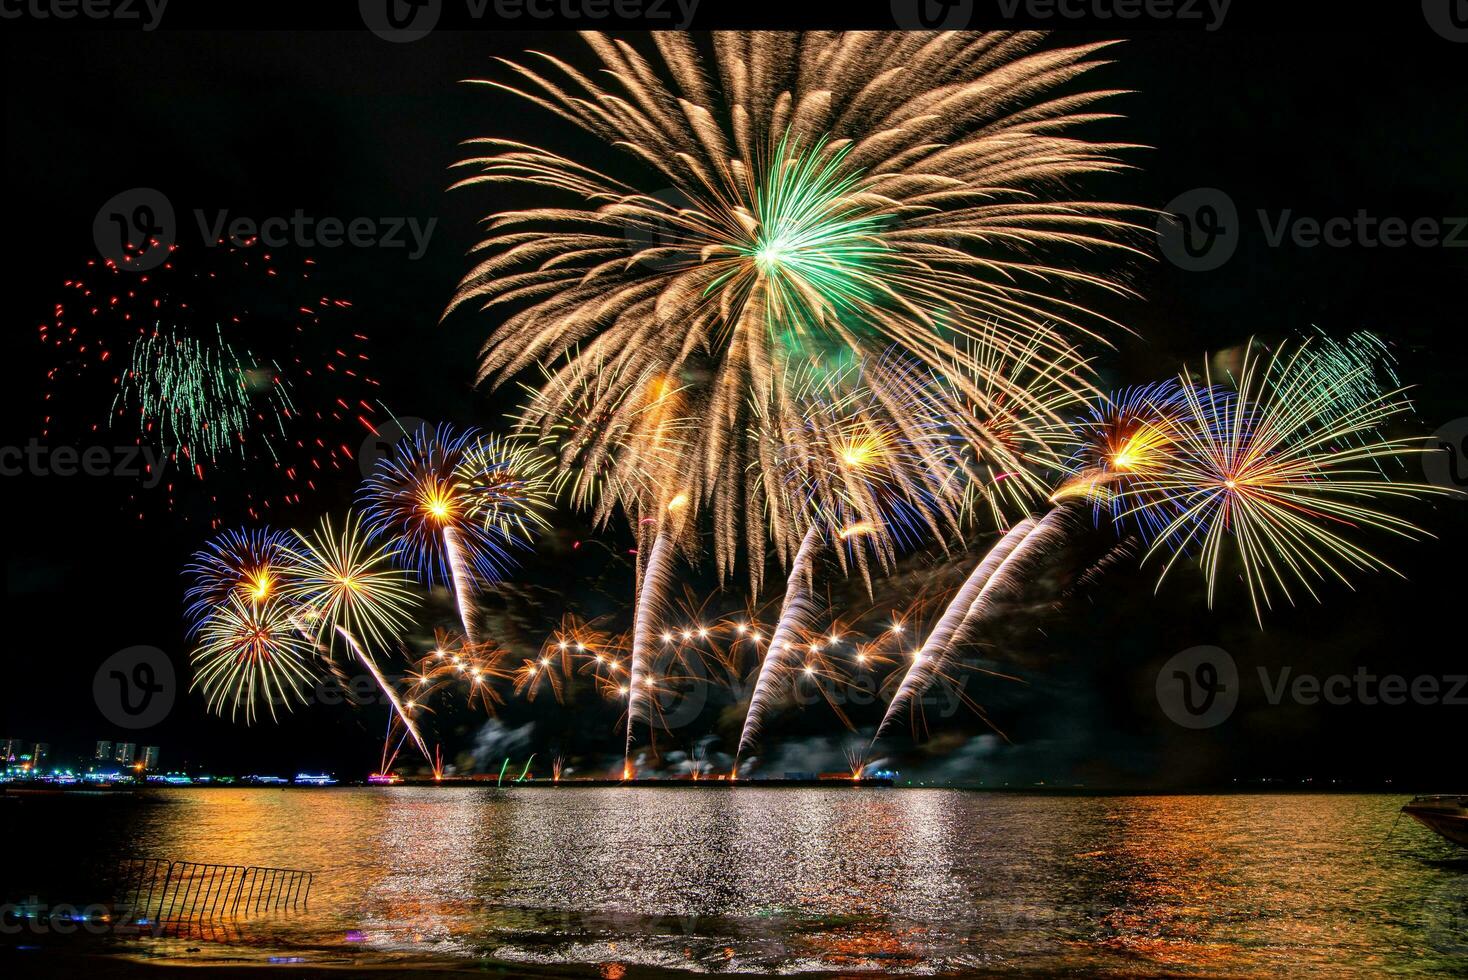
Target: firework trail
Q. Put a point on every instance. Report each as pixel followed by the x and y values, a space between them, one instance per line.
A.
pixel 853 472
pixel 796 613
pixel 1023 392
pixel 651 597
pixel 462 579
pixel 1125 550
pixel 927 661
pixel 365 659
pixel 1009 578
pixel 1022 395
pixel 631 457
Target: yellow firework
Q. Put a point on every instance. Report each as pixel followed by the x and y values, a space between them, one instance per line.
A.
pixel 853 469
pixel 619 446
pixel 252 654
pixel 343 582
pixel 1021 396
pixel 511 484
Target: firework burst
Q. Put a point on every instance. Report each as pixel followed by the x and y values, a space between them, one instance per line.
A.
pixel 1123 442
pixel 199 397
pixel 348 584
pixel 428 496
pixel 252 653
pixel 512 486
pixel 832 195
pixel 854 471
pixel 454 662
pixel 1285 471
pixel 252 385
pixel 1024 396
pixel 248 564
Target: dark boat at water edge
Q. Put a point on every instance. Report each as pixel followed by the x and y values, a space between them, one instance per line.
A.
pixel 1445 815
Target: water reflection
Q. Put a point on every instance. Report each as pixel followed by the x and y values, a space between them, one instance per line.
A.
pixel 829 879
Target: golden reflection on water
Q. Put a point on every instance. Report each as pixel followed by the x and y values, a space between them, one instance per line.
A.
pixel 842 878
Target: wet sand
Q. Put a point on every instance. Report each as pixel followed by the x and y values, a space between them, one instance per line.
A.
pixel 54 962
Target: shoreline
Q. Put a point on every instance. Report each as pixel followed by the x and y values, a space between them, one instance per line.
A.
pixel 18 792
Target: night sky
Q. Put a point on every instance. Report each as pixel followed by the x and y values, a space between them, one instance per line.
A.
pixel 342 124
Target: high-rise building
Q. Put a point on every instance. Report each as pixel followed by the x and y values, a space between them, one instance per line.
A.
pixel 125 753
pixel 40 752
pixel 150 757
pixel 103 753
pixel 11 749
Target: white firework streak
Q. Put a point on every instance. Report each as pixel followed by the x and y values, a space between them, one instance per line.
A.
pixel 649 603
pixel 1007 577
pixel 361 654
pixel 371 665
pixel 795 612
pixel 931 655
pixel 463 581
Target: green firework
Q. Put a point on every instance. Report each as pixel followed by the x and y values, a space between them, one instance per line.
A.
pixel 201 399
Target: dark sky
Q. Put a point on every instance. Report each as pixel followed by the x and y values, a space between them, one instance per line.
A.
pixel 342 124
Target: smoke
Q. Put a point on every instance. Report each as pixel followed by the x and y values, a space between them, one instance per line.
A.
pixel 1058 759
pixel 971 760
pixel 681 763
pixel 701 759
pixel 494 742
pixel 818 754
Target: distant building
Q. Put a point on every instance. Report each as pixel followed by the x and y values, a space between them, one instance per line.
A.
pixel 150 757
pixel 126 752
pixel 11 749
pixel 103 753
pixel 40 752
